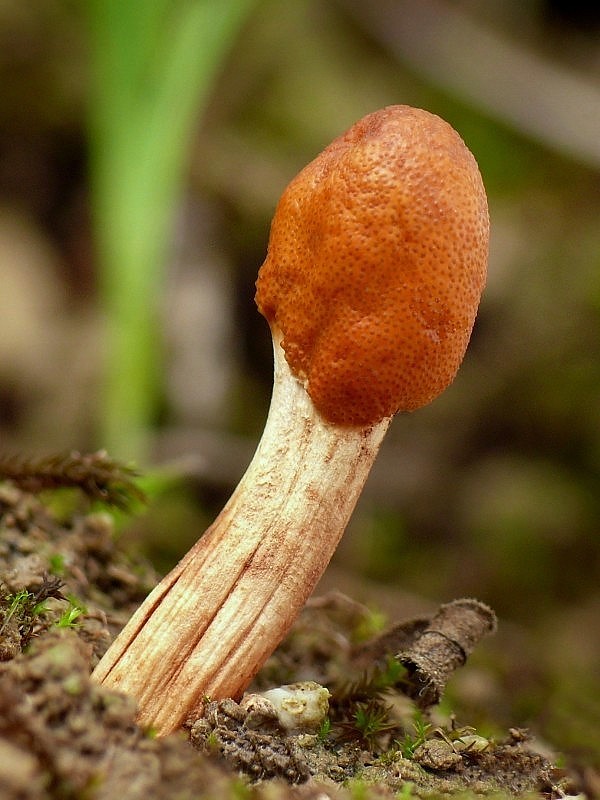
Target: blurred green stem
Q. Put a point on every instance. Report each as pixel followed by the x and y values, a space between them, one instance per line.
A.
pixel 153 66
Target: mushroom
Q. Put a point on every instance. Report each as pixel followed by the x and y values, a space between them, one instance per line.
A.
pixel 375 267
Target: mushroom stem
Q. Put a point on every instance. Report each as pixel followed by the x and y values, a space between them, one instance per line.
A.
pixel 210 624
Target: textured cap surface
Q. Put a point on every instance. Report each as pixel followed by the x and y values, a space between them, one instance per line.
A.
pixel 376 263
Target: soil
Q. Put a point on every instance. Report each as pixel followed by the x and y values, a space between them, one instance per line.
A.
pixel 66 588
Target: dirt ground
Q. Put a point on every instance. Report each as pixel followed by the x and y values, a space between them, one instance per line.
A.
pixel 66 588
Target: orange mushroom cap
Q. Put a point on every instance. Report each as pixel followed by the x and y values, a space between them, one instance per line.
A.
pixel 375 266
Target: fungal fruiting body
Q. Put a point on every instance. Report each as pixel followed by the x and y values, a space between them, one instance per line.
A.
pixel 376 263
pixel 375 266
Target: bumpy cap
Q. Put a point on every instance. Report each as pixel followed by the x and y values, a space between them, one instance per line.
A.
pixel 375 266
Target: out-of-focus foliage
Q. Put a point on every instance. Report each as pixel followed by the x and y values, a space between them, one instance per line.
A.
pixel 493 490
pixel 152 66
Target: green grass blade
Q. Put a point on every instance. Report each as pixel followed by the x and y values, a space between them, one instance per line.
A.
pixel 153 66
